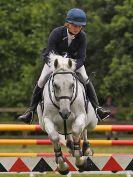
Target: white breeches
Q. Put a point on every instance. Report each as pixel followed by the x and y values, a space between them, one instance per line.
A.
pixel 47 70
pixel 82 71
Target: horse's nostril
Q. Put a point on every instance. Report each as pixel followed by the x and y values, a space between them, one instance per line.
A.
pixel 65 114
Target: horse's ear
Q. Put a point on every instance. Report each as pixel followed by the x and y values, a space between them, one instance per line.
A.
pixel 56 63
pixel 69 63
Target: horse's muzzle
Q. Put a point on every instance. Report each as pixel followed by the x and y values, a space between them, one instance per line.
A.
pixel 64 114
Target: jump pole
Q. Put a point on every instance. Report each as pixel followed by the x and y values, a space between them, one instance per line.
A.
pixel 48 142
pixel 99 128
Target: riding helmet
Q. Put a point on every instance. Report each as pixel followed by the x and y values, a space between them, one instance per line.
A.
pixel 76 16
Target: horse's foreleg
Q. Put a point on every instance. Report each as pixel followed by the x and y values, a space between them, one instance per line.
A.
pixel 86 150
pixel 70 144
pixel 77 128
pixel 62 166
pixel 52 133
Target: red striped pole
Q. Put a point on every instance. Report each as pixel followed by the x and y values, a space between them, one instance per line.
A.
pixel 122 142
pixel 122 127
pixel 48 142
pixel 23 154
pixel 99 128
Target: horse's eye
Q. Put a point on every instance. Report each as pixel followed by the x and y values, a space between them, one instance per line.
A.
pixel 55 86
pixel 72 86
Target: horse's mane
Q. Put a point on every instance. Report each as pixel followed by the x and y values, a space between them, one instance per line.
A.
pixel 62 62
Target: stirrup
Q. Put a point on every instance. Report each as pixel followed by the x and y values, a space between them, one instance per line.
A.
pixel 27 120
pixel 32 117
pixel 99 118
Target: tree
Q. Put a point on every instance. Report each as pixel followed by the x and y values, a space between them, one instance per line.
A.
pixel 22 36
pixel 119 80
pixel 24 29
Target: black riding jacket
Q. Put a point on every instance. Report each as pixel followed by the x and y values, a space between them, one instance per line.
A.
pixel 58 43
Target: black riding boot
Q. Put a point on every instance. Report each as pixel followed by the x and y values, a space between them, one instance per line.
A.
pixel 91 94
pixel 27 117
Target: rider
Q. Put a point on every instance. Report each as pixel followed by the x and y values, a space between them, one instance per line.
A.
pixel 69 39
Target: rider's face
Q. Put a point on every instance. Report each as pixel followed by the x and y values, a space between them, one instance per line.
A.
pixel 74 29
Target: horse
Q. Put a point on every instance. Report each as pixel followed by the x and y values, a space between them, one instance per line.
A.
pixel 65 111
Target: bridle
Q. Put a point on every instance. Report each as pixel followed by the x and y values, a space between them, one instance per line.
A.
pixel 72 98
pixel 58 98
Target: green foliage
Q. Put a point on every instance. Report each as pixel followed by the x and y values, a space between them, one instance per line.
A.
pixel 24 29
pixel 119 79
pixel 22 39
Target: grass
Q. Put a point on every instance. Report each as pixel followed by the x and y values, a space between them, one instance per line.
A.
pixel 49 149
pixel 50 174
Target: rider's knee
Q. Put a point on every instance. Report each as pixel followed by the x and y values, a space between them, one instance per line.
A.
pixel 82 72
pixel 41 83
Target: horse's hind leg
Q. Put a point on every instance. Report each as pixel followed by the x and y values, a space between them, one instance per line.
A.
pixel 91 116
pixel 62 166
pixel 86 150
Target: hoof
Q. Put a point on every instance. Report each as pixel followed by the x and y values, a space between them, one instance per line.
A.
pixel 88 152
pixel 65 172
pixel 81 168
pixel 114 171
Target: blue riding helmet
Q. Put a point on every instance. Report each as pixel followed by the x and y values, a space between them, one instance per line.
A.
pixel 76 16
